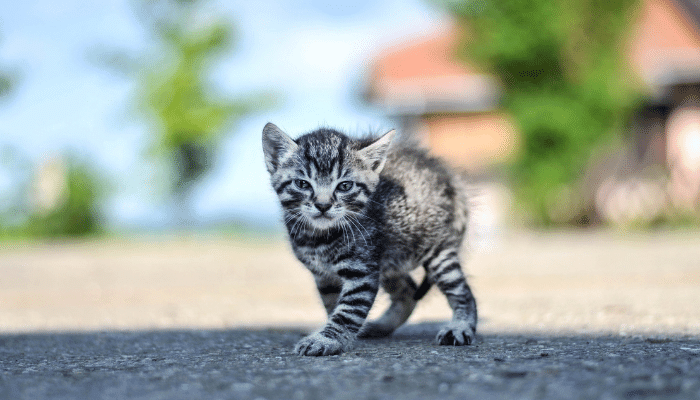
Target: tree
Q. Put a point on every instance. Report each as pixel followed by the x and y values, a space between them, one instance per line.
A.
pixel 8 201
pixel 174 94
pixel 565 83
pixel 75 211
pixel 76 188
pixel 7 82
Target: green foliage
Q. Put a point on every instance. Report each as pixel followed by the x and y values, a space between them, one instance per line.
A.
pixel 8 81
pixel 76 213
pixel 5 84
pixel 565 82
pixel 174 95
pixel 59 201
pixel 176 92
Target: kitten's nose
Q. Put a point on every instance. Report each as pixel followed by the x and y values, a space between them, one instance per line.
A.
pixel 323 207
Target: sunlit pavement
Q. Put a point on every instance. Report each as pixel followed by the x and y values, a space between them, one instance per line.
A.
pixel 527 282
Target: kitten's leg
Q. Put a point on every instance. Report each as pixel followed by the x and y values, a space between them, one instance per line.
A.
pixel 445 271
pixel 360 283
pixel 401 289
pixel 329 289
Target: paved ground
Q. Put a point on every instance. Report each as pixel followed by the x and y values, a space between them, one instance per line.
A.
pixel 600 315
pixel 259 364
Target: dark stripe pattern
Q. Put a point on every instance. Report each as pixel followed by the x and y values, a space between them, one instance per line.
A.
pixel 353 304
pixel 445 271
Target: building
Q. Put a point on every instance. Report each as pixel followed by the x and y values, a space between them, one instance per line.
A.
pixel 446 104
pixel 453 107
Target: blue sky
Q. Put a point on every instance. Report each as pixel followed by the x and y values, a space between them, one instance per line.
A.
pixel 313 53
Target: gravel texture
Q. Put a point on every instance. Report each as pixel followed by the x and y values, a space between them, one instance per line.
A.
pixel 260 364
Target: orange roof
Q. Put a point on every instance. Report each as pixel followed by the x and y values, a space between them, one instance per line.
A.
pixel 665 43
pixel 431 57
pixel 426 75
pixel 416 77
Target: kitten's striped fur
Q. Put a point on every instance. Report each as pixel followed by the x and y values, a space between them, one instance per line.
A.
pixel 361 215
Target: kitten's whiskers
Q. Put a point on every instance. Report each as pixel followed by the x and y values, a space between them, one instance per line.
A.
pixel 355 215
pixel 357 224
pixel 298 223
pixel 352 232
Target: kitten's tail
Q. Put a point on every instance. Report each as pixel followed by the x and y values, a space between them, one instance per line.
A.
pixel 423 288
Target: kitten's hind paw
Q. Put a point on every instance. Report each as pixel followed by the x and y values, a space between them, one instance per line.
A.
pixel 318 345
pixel 456 333
pixel 375 330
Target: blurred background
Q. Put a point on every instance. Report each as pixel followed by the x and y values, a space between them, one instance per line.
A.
pixel 157 107
pixel 127 119
pixel 146 115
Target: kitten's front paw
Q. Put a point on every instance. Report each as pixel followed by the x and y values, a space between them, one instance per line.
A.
pixel 457 333
pixel 318 345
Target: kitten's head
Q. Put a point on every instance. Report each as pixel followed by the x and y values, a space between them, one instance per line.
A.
pixel 323 178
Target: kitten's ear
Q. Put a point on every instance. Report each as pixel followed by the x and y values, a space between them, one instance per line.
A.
pixel 376 152
pixel 276 146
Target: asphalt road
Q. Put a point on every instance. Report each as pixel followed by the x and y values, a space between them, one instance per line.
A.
pixel 260 364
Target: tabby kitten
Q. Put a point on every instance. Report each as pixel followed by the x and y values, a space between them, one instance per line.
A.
pixel 360 216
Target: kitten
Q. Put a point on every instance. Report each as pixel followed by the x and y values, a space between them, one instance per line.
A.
pixel 360 216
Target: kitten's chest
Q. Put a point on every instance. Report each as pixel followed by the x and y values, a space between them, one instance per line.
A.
pixel 317 263
pixel 323 258
pixel 315 255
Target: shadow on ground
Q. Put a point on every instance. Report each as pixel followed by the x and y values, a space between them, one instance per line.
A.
pixel 260 364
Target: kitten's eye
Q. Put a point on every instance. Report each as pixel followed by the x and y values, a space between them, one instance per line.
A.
pixel 302 184
pixel 344 186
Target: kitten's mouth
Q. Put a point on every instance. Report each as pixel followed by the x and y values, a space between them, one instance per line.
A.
pixel 323 221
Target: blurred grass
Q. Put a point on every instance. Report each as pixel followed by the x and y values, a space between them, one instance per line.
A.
pixel 73 209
